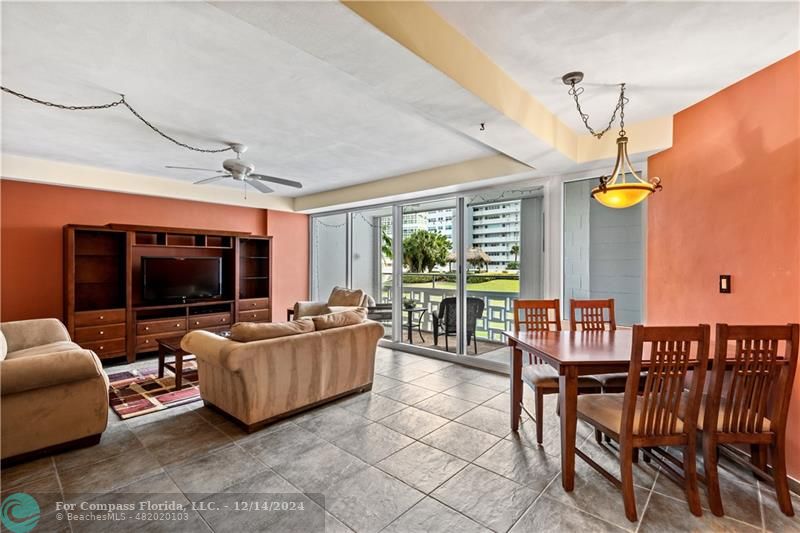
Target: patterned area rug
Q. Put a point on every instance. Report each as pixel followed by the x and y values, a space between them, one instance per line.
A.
pixel 140 391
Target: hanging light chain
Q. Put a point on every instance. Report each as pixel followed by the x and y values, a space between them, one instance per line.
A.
pixel 116 103
pixel 576 91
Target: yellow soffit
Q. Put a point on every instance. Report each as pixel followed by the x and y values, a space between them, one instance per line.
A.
pixel 457 174
pixel 420 29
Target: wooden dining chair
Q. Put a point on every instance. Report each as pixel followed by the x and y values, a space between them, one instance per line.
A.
pixel 653 419
pixel 598 315
pixel 747 403
pixel 542 315
pixel 592 315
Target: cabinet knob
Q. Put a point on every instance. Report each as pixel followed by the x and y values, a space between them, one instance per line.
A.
pixel 147 328
pixel 147 341
pixel 101 347
pixel 101 317
pixel 196 323
pixel 178 325
pixel 102 332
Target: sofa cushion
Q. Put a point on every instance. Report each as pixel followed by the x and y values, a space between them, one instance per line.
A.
pixel 3 346
pixel 338 320
pixel 53 347
pixel 345 297
pixel 249 331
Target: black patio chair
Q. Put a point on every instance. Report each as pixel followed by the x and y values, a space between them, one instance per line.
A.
pixel 444 320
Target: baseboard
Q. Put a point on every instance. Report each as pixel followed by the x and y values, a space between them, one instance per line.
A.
pixel 464 360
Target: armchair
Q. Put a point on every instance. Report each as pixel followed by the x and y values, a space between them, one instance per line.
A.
pixel 445 319
pixel 54 393
pixel 340 298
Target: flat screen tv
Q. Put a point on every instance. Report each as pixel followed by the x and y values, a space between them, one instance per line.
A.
pixel 178 279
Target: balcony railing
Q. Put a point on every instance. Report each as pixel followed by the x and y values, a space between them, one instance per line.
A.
pixel 497 313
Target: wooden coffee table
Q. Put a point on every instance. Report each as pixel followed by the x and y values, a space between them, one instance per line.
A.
pixel 172 347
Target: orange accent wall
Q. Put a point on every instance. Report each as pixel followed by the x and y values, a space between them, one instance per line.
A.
pixel 290 274
pixel 31 255
pixel 731 205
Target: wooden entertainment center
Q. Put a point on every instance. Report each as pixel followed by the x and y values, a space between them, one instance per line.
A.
pixel 104 307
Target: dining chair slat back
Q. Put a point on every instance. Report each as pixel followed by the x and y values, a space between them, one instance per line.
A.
pixel 537 315
pixel 592 315
pixel 666 370
pixel 748 402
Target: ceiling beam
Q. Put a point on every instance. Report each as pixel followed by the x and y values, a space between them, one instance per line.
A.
pixel 420 29
pixel 439 180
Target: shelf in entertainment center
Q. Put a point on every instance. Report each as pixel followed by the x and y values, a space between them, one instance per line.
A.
pixel 182 246
pixel 176 306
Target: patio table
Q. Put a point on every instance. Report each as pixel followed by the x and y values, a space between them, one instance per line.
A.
pixel 410 322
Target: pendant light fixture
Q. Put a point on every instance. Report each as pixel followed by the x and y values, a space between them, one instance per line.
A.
pixel 624 187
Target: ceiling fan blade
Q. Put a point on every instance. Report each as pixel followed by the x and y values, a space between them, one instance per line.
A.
pixel 258 186
pixel 211 179
pixel 193 168
pixel 279 181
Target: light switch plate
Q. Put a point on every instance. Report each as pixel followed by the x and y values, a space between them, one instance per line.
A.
pixel 725 283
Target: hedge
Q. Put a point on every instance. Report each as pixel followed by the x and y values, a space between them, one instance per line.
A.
pixel 416 278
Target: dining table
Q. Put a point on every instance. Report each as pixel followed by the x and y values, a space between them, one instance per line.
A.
pixel 572 354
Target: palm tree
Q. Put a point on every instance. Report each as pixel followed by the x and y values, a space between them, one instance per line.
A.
pixel 424 250
pixel 515 251
pixel 386 244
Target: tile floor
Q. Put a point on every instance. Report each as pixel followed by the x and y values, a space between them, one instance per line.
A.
pixel 428 449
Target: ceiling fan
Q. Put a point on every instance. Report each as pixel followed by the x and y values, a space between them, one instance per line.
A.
pixel 241 170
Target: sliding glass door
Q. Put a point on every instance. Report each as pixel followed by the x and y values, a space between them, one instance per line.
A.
pixel 371 260
pixel 443 273
pixel 429 306
pixel 329 259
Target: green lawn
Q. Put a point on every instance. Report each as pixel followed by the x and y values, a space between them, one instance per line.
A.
pixel 495 285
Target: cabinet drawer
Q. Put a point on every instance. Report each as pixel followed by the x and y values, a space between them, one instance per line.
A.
pixel 98 318
pixel 255 303
pixel 106 348
pixel 146 343
pixel 218 329
pixel 173 325
pixel 100 333
pixel 254 316
pixel 207 321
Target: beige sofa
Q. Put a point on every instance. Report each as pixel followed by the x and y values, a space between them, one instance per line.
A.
pixel 261 381
pixel 53 393
pixel 340 299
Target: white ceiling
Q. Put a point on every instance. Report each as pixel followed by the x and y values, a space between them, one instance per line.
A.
pixel 205 77
pixel 322 96
pixel 670 54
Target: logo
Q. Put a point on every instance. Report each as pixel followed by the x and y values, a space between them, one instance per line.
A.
pixel 20 512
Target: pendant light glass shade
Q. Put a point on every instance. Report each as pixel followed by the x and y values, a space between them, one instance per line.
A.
pixel 616 190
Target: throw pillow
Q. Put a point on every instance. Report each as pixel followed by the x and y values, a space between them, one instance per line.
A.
pixel 338 320
pixel 249 331
pixel 346 297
